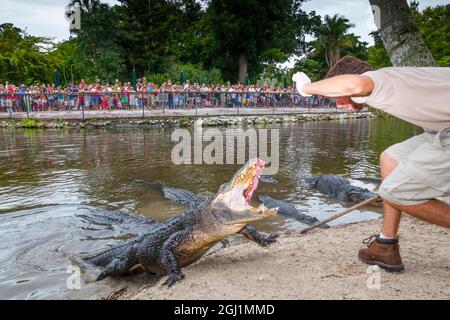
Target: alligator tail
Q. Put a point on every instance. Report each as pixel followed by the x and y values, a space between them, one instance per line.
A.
pixel 103 258
pixel 375 181
pixel 103 218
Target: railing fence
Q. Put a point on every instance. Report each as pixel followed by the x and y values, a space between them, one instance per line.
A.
pixel 158 101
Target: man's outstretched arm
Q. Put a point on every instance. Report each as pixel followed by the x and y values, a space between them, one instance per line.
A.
pixel 346 85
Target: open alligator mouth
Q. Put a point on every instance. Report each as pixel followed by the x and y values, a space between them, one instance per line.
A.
pixel 236 195
pixel 257 167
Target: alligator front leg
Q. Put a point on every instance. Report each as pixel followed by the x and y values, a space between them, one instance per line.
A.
pixel 252 234
pixel 169 260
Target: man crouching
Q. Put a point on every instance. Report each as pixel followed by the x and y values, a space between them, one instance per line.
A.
pixel 415 172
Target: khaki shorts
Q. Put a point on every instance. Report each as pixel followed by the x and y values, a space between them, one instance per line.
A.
pixel 423 172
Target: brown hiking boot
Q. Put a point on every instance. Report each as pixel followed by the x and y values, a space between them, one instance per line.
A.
pixel 384 253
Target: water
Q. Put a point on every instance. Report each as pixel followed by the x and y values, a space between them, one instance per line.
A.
pixel 48 177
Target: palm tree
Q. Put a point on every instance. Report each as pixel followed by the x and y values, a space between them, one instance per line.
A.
pixel 331 37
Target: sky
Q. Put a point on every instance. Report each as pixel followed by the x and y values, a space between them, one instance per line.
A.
pixel 39 17
pixel 46 17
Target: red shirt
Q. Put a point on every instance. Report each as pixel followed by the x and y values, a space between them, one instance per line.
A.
pixel 10 95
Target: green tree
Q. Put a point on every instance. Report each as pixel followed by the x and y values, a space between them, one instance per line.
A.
pixel 332 41
pixel 332 37
pixel 248 34
pixel 195 73
pixel 434 25
pixel 98 43
pixel 315 69
pixel 151 32
pixel 197 44
pixel 352 45
pixel 22 57
pixel 377 54
pixel 70 62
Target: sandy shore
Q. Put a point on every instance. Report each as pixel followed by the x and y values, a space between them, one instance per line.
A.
pixel 320 265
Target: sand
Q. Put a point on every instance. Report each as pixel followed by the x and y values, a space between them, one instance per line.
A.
pixel 320 265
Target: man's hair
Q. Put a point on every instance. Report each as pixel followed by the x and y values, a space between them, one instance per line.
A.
pixel 348 65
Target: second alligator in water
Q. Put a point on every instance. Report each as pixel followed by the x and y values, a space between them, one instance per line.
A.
pixel 340 188
pixel 268 179
pixel 288 210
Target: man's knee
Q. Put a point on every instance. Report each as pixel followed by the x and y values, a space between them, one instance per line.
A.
pixel 386 159
pixel 400 189
pixel 387 164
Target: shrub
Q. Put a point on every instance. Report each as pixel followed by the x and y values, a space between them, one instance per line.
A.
pixel 30 123
pixel 184 122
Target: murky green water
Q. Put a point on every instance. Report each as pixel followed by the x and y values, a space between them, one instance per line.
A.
pixel 49 176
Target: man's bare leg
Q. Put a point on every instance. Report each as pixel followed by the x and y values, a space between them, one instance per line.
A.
pixel 433 211
pixel 386 252
pixel 392 215
pixel 383 252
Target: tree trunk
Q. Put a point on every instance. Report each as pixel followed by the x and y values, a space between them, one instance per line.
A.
pixel 336 54
pixel 243 65
pixel 401 37
pixel 327 59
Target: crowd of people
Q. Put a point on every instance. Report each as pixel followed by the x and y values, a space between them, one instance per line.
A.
pixel 97 96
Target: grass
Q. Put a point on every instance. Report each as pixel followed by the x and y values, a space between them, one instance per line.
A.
pixel 30 123
pixel 184 122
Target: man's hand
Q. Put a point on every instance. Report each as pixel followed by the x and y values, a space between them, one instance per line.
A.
pixel 300 79
pixel 348 104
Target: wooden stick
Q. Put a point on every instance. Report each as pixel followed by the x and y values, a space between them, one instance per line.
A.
pixel 340 214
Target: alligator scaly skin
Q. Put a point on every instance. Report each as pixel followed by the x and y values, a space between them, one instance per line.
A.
pixel 375 181
pixel 116 217
pixel 181 196
pixel 288 210
pixel 268 179
pixel 340 188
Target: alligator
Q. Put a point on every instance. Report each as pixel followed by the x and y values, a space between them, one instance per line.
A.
pixel 340 188
pixel 268 179
pixel 185 238
pixel 181 196
pixel 116 217
pixel 375 181
pixel 288 210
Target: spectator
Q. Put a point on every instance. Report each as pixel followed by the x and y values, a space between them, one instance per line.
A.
pixel 122 95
